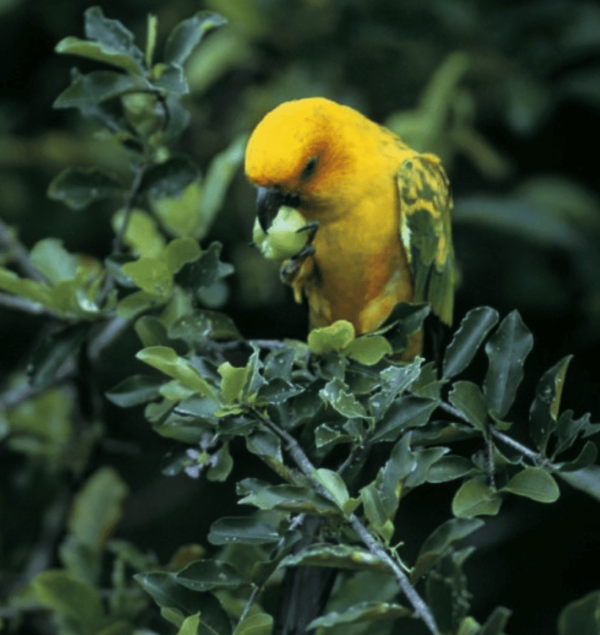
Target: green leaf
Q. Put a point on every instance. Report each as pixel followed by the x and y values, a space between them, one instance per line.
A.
pixel 335 393
pixel 368 349
pixel 174 191
pixel 495 623
pixel 534 483
pixel 586 480
pixel 167 361
pixel 97 51
pixel 78 187
pixel 331 339
pixel 335 486
pixel 188 34
pixel 394 380
pixel 234 382
pixel 77 600
pixel 196 327
pixel 111 43
pixel 255 624
pixel 468 398
pixel 141 234
pixel 475 498
pixel 506 350
pixel 205 271
pixel 53 351
pixel 98 507
pixel 242 530
pixel 544 409
pixel 134 391
pixel 361 612
pixel 288 498
pixel 586 457
pixel 179 601
pixel 407 412
pixel 337 556
pixel 449 468
pixel 474 328
pixel 205 575
pixel 405 320
pixel 568 429
pixel 221 464
pixel 87 91
pixel 581 617
pixel 441 541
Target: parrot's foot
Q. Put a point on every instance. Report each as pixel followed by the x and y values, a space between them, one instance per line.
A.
pixel 289 269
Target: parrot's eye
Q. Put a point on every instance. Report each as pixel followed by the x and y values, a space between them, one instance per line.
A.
pixel 309 168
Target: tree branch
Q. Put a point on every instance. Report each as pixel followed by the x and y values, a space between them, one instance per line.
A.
pixel 372 544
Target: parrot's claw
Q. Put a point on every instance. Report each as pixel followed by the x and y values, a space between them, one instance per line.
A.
pixel 289 269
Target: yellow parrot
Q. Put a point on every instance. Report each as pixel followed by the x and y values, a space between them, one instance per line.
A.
pixel 374 214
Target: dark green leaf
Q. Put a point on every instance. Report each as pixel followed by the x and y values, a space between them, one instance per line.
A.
pixel 535 483
pixel 495 623
pixel 446 591
pixel 441 541
pixel 243 530
pixel 581 617
pixel 338 556
pixel 279 364
pixel 587 480
pixel 409 411
pixel 568 429
pixel 506 350
pixel 53 351
pixel 475 498
pixel 79 601
pixel 427 383
pixel 586 457
pixel 468 398
pixel 264 443
pixel 278 391
pixel 196 327
pixel 205 575
pixel 78 187
pixel 336 394
pixel 474 328
pixel 135 390
pixel 111 34
pixel 186 36
pixel 171 78
pixel 449 468
pixel 206 270
pixel 543 415
pixel 169 179
pixel 405 320
pixel 289 498
pixel 169 594
pixel 361 612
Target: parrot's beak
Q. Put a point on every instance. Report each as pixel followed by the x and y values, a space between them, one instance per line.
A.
pixel 268 202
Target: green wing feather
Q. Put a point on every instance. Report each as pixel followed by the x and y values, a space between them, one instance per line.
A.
pixel 425 229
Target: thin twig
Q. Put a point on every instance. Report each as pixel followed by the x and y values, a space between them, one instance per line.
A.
pixel 533 456
pixel 307 468
pixel 17 303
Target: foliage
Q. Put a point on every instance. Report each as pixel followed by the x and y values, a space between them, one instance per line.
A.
pixel 332 428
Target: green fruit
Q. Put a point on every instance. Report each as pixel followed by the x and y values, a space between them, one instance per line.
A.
pixel 283 240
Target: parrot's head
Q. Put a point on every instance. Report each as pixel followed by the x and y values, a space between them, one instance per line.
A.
pixel 300 155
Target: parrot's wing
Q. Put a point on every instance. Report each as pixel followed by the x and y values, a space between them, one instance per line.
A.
pixel 425 230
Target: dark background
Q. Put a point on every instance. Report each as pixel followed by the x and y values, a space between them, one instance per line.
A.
pixel 519 138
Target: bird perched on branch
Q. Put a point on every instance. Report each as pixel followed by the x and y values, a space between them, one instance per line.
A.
pixel 373 215
pixel 361 222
